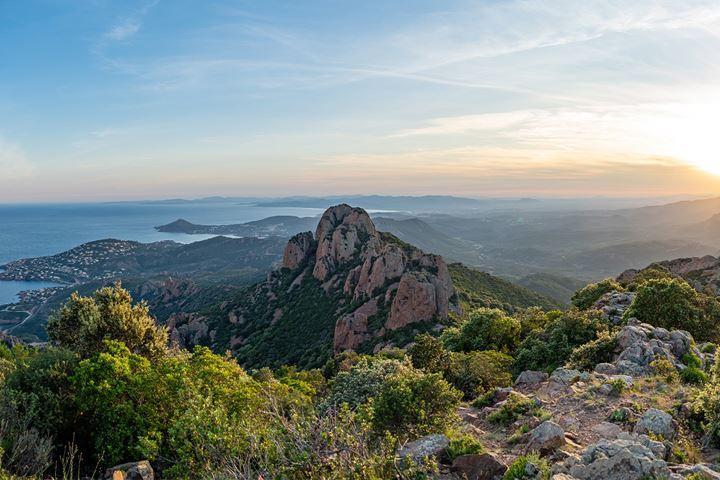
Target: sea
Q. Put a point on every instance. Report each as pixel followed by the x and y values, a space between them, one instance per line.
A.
pixel 32 230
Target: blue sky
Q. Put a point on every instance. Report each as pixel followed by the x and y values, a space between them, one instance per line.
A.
pixel 105 99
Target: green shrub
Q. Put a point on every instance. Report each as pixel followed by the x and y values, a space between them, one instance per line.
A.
pixel 674 304
pixel 428 353
pixel 705 410
pixel 464 445
pixel 41 390
pixel 618 387
pixel 530 467
pixel 600 350
pixel 485 329
pixel 364 380
pixel 664 368
pixel 84 323
pixel 516 407
pixel 532 319
pixel 549 349
pixel 415 404
pixel 709 347
pixel 693 376
pixel 477 372
pixel 691 360
pixel 586 297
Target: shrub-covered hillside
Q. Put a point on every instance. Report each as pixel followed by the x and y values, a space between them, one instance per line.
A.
pixel 622 386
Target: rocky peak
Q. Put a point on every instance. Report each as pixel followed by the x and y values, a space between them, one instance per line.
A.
pixel 343 231
pixel 376 271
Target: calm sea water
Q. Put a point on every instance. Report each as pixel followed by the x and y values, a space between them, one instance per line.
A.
pixel 37 230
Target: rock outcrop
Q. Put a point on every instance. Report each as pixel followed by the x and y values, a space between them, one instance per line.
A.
pixel 376 271
pixel 297 250
pixel 640 344
pixel 620 459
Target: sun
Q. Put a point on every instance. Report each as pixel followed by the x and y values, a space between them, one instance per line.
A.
pixel 695 137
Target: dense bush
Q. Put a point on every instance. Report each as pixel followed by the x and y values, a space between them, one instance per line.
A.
pixel 414 404
pixel 549 349
pixel 475 373
pixel 428 353
pixel 363 381
pixel 674 304
pixel 485 329
pixel 84 323
pixel 706 410
pixel 40 389
pixel 532 319
pixel 600 350
pixel 587 296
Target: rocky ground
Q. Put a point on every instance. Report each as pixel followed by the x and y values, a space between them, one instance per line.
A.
pixel 622 421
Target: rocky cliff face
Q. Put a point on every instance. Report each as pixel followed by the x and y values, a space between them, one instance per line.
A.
pixel 369 284
pixel 376 270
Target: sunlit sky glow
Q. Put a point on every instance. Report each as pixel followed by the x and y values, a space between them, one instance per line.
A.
pixel 103 99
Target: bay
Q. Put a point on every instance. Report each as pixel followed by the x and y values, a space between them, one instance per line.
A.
pixel 32 230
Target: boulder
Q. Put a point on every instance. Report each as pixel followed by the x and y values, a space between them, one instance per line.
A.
pixel 566 376
pixel 607 430
pixel 619 459
pixel 700 471
pixel 432 446
pixel 478 467
pixel 658 423
pixel 131 471
pixel 530 378
pixel 545 438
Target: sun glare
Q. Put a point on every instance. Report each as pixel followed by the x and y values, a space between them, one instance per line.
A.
pixel 696 138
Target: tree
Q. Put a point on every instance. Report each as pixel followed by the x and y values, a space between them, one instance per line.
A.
pixel 673 304
pixel 486 329
pixel 549 349
pixel 428 353
pixel 84 323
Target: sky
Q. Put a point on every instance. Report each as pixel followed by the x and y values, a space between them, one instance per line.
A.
pixel 103 100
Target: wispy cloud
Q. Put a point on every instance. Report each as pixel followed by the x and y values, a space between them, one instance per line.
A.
pixel 128 26
pixel 123 30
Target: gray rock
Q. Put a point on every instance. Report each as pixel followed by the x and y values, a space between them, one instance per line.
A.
pixel 704 471
pixel 607 430
pixel 606 369
pixel 478 467
pixel 530 378
pixel 619 460
pixel 656 422
pixel 657 448
pixel 131 471
pixel 545 438
pixel 640 344
pixel 429 446
pixel 566 376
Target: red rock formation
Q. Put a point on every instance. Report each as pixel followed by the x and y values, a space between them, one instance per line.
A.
pixel 297 250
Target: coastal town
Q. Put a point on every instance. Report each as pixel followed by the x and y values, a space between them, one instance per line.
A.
pixel 100 259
